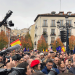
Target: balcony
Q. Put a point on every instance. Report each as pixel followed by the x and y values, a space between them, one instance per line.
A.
pixel 52 25
pixel 44 25
pixel 52 34
pixel 45 34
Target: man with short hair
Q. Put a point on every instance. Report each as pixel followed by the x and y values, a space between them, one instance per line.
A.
pixel 25 58
pixel 48 68
pixel 42 57
pixel 55 65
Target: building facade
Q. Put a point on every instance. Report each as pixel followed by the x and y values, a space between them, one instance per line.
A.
pixel 32 32
pixel 21 32
pixel 46 24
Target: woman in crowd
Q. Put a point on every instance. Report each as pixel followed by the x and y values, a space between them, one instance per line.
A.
pixel 35 65
pixel 62 67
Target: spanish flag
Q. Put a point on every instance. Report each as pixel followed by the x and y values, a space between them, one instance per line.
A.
pixel 46 50
pixel 43 50
pixel 63 49
pixel 15 43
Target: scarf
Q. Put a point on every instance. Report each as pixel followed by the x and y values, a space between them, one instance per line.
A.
pixel 62 70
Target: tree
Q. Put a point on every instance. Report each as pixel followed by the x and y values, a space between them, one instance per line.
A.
pixel 3 40
pixel 59 43
pixel 42 44
pixel 71 42
pixel 27 42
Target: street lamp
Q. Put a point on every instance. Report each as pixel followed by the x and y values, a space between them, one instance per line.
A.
pixel 66 27
pixel 58 23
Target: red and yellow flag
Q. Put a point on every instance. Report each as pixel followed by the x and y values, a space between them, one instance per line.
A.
pixel 43 50
pixel 46 50
pixel 63 49
pixel 15 42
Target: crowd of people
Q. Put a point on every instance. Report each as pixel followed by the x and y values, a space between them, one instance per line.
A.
pixel 42 63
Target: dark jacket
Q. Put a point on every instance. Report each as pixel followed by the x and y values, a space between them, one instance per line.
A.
pixel 72 70
pixel 46 71
pixel 54 65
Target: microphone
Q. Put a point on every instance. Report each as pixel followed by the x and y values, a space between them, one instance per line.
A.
pixel 10 49
pixel 14 47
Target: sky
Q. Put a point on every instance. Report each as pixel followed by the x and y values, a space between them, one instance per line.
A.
pixel 25 11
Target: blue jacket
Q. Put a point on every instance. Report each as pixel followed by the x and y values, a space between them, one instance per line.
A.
pixel 46 71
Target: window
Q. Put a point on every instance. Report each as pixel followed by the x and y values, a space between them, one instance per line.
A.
pixel 44 22
pixel 53 13
pixel 69 21
pixel 69 13
pixel 61 13
pixel 61 22
pixel 44 31
pixel 52 31
pixel 53 23
pixel 52 39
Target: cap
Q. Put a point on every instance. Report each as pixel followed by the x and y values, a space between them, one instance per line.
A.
pixel 34 63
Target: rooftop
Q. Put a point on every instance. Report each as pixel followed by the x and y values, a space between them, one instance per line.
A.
pixel 60 14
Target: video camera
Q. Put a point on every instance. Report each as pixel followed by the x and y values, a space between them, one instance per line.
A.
pixel 13 71
pixel 15 57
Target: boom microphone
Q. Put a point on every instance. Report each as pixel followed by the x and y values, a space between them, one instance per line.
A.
pixel 10 49
pixel 14 48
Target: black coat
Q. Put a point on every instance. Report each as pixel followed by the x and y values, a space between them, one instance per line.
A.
pixel 54 65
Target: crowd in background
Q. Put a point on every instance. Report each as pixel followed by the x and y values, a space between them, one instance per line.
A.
pixel 42 63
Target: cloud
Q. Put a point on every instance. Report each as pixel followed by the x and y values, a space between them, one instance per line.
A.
pixel 25 11
pixel 22 22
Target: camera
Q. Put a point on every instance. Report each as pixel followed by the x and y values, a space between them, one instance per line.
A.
pixel 13 71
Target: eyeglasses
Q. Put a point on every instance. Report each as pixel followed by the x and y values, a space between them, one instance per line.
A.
pixel 56 60
pixel 21 60
pixel 50 65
